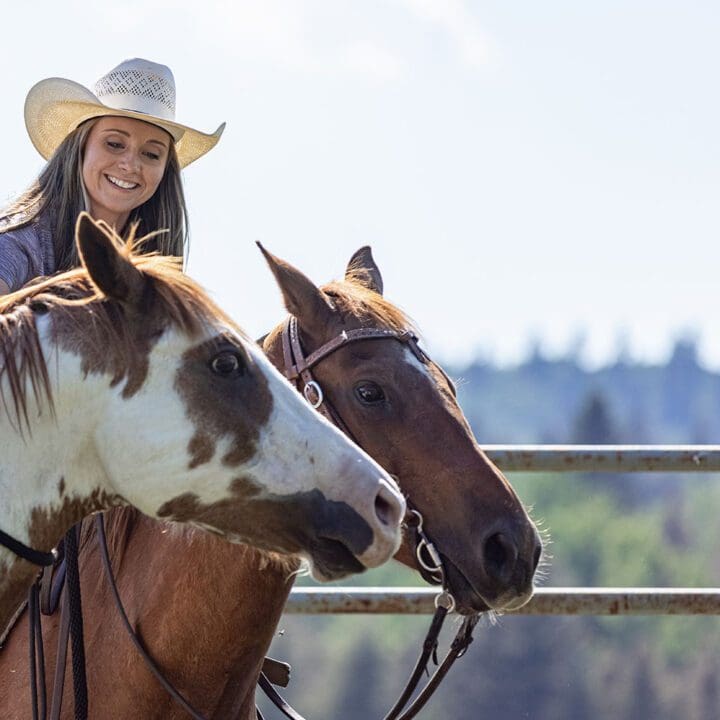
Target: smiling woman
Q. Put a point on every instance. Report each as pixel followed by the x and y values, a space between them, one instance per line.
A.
pixel 116 152
pixel 123 164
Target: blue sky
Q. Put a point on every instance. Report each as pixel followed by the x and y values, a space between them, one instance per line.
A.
pixel 525 172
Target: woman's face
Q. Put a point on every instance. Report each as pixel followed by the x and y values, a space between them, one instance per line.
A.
pixel 123 163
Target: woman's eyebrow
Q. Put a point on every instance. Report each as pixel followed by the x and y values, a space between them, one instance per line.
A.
pixel 127 134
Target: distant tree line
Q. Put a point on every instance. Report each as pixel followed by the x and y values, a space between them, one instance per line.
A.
pixel 606 529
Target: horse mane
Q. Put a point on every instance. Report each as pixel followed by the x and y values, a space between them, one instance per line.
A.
pixel 352 297
pixel 72 295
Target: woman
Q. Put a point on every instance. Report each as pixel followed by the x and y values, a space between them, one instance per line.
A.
pixel 116 152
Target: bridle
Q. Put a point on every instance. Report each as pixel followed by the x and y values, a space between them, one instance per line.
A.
pixel 298 369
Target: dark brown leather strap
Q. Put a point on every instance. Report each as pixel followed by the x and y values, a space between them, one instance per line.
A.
pixel 295 358
pixel 46 576
pixel 77 636
pixel 457 650
pixel 276 671
pixel 299 363
pixel 429 649
pixel 38 697
pixel 280 703
pixel 287 351
pixel 52 579
pixel 60 660
pixel 152 665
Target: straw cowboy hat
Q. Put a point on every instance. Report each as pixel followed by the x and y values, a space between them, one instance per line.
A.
pixel 136 88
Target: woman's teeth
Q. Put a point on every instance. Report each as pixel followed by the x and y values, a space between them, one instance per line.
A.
pixel 121 183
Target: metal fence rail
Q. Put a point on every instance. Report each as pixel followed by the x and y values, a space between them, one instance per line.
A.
pixel 558 600
pixel 547 601
pixel 605 458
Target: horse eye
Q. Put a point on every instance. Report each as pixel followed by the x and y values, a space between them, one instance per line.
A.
pixel 228 364
pixel 369 393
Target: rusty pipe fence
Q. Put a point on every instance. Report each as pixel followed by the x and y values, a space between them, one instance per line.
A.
pixel 552 600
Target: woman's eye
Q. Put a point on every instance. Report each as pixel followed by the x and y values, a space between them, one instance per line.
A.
pixel 369 393
pixel 152 156
pixel 115 145
pixel 228 364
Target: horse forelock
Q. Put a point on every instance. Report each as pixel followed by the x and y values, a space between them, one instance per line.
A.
pixel 351 298
pixel 101 330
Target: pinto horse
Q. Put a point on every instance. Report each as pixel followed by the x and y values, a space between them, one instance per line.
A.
pixel 207 611
pixel 122 383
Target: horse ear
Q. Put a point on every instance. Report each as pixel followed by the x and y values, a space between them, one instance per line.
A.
pixel 362 269
pixel 108 267
pixel 301 296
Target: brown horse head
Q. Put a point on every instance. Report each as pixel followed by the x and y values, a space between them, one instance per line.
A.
pixel 401 408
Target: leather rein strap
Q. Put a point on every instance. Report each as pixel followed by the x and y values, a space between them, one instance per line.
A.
pixel 59 679
pixel 43 598
pixel 297 369
pixel 152 665
pixel 36 557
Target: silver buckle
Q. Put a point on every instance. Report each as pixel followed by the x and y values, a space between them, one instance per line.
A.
pixel 313 387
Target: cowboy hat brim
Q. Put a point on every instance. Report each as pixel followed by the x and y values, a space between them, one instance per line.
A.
pixel 54 107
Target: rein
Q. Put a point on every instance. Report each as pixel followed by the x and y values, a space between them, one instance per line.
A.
pixel 36 557
pixel 43 599
pixel 152 665
pixel 298 369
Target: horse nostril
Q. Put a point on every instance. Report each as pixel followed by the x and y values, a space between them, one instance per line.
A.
pixel 387 507
pixel 500 555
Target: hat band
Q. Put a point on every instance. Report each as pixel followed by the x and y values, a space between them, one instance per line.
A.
pixel 133 103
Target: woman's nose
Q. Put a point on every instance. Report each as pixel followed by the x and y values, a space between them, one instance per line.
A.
pixel 130 161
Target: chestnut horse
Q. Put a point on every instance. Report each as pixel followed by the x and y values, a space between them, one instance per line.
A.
pixel 121 383
pixel 207 611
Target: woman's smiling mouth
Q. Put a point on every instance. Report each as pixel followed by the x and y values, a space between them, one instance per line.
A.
pixel 121 183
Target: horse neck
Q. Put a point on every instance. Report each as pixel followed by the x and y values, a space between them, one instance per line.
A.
pixel 164 573
pixel 49 468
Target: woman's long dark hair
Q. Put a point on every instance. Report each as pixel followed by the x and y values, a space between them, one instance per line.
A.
pixel 58 192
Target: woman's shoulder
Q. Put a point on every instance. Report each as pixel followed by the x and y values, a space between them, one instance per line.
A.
pixel 22 224
pixel 26 249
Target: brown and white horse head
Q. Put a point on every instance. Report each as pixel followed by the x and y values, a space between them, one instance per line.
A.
pixel 160 401
pixel 401 408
